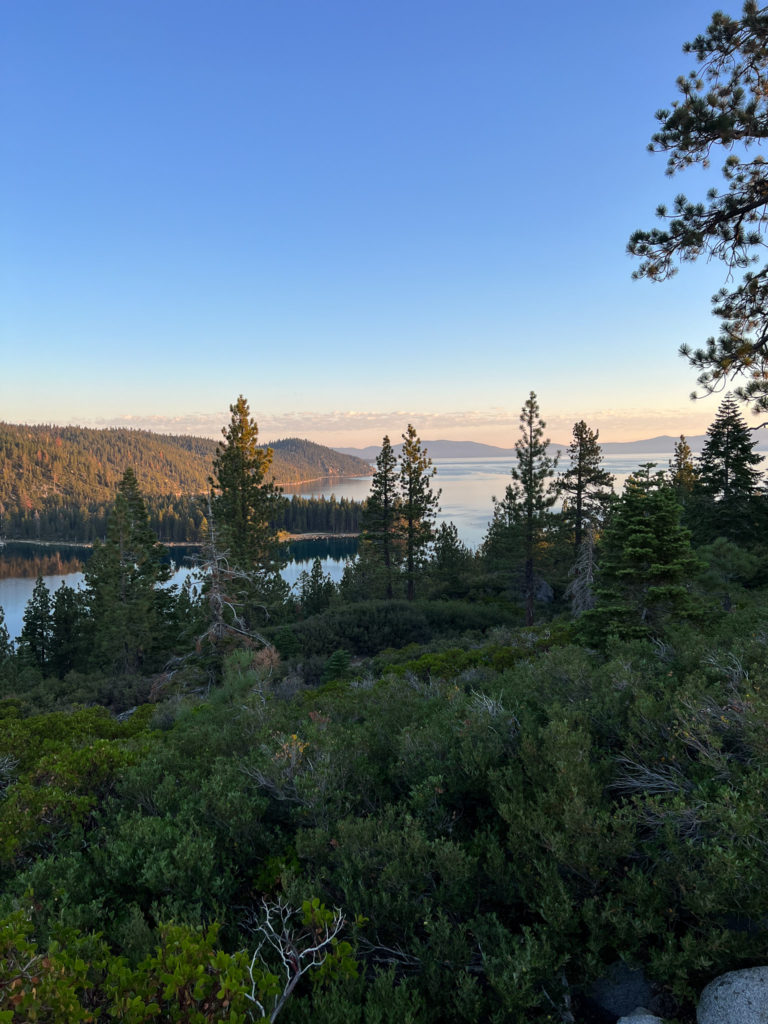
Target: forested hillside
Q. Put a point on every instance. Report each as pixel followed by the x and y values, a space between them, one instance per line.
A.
pixel 296 459
pixel 58 483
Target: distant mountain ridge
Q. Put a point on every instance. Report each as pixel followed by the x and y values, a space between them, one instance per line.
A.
pixel 662 444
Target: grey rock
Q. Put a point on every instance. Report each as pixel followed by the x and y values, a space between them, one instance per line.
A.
pixel 640 1016
pixel 621 990
pixel 739 997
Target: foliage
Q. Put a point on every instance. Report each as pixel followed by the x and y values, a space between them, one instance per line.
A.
pixel 727 568
pixel 6 645
pixel 381 515
pixel 520 517
pixel 584 483
pixel 36 633
pixel 126 607
pixel 452 567
pixel 68 631
pixel 645 562
pixel 58 483
pixel 366 627
pixel 494 813
pixel 321 515
pixel 245 503
pixel 187 979
pixel 722 104
pixel 726 501
pixel 498 818
pixel 417 507
pixel 64 766
pixel 683 474
pixel 315 589
pixel 728 464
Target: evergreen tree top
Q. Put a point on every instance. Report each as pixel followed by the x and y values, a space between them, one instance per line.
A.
pixel 585 456
pixel 728 463
pixel 534 465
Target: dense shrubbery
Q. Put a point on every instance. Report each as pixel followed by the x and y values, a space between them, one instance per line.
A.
pixel 496 816
pixel 367 627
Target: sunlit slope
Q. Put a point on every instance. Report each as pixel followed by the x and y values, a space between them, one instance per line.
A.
pixel 49 464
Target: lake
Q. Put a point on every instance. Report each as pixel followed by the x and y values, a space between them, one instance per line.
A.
pixel 333 552
pixel 468 487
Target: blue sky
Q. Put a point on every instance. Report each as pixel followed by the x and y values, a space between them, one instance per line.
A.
pixel 357 214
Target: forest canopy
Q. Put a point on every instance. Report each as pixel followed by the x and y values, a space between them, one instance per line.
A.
pixel 58 483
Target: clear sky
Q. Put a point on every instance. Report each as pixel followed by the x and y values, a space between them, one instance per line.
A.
pixel 357 213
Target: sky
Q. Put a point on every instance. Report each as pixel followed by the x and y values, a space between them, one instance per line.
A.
pixel 356 214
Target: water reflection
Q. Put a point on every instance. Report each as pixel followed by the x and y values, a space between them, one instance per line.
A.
pixel 15 592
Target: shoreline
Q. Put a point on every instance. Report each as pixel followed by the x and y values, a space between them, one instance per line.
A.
pixel 284 538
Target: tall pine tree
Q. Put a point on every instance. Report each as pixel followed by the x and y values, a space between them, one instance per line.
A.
pixel 728 464
pixel 584 482
pixel 67 631
pixel 729 478
pixel 247 506
pixel 683 474
pixel 381 513
pixel 121 583
pixel 418 506
pixel 35 638
pixel 520 519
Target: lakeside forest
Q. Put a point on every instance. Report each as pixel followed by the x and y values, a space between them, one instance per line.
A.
pixel 58 483
pixel 455 786
pixel 465 786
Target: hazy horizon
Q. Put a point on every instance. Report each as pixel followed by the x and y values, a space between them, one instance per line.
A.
pixel 561 440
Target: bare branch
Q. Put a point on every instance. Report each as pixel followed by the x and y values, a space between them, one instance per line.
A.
pixel 298 944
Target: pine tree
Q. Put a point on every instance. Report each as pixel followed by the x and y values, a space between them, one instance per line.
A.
pixel 721 108
pixel 521 515
pixel 35 638
pixel 584 482
pixel 247 506
pixel 418 506
pixel 683 474
pixel 381 512
pixel 121 581
pixel 728 460
pixel 315 588
pixel 729 477
pixel 451 562
pixel 645 562
pixel 67 631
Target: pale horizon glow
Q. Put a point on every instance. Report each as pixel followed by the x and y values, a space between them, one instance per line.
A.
pixel 350 429
pixel 358 216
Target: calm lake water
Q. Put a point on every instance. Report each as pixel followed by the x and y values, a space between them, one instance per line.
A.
pixel 468 487
pixel 333 553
